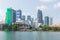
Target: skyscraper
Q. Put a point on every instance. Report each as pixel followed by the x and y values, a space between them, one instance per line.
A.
pixel 29 17
pixel 50 21
pixel 13 15
pixel 9 16
pixel 18 14
pixel 46 21
pixel 23 17
pixel 40 16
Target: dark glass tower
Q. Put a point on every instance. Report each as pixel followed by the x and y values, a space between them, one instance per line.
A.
pixel 13 16
pixel 40 16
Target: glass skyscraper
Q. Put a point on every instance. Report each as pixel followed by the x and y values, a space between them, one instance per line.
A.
pixel 9 16
pixel 18 14
pixel 46 21
pixel 13 15
pixel 40 16
pixel 50 21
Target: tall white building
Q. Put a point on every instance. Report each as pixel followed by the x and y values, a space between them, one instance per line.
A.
pixel 35 22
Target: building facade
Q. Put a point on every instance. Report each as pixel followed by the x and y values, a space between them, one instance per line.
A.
pixel 18 14
pixel 9 16
pixel 23 17
pixel 50 21
pixel 46 21
pixel 13 16
pixel 28 17
pixel 40 17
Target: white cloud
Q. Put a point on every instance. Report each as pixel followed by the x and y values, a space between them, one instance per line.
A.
pixel 57 5
pixel 47 0
pixel 42 7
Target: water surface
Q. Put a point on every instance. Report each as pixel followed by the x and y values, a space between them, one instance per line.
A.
pixel 29 35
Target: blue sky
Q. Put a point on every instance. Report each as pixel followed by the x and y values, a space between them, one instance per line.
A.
pixel 49 8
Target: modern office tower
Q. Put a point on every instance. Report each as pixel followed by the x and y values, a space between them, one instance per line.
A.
pixel 18 14
pixel 23 17
pixel 50 21
pixel 35 23
pixel 13 16
pixel 46 21
pixel 29 17
pixel 40 16
pixel 9 16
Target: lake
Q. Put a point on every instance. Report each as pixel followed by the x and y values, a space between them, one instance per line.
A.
pixel 29 35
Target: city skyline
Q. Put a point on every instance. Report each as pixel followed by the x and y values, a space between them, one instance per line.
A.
pixel 29 7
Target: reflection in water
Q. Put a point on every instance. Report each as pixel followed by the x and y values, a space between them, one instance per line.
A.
pixel 8 35
pixel 29 35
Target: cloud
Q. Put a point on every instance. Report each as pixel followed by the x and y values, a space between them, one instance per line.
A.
pixel 57 5
pixel 47 0
pixel 42 7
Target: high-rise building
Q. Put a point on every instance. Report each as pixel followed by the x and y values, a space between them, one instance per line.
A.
pixel 50 21
pixel 40 16
pixel 13 16
pixel 10 16
pixel 29 17
pixel 23 17
pixel 35 23
pixel 46 21
pixel 18 14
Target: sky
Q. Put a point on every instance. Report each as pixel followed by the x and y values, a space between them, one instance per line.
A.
pixel 49 8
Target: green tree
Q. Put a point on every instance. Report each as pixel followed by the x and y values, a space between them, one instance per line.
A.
pixel 14 27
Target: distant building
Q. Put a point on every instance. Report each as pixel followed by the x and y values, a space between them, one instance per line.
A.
pixel 28 17
pixel 10 16
pixel 50 21
pixel 46 21
pixel 35 23
pixel 18 14
pixel 23 17
pixel 32 19
pixel 13 16
pixel 40 17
